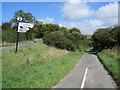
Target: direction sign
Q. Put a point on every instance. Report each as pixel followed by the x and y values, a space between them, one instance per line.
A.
pixel 23 27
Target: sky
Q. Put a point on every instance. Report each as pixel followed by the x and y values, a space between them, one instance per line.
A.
pixel 87 16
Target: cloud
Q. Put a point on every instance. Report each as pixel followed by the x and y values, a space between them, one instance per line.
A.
pixel 86 27
pixel 90 26
pixel 76 10
pixel 105 16
pixel 109 14
pixel 47 20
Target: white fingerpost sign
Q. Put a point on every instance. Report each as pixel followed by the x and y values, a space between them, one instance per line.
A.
pixel 23 27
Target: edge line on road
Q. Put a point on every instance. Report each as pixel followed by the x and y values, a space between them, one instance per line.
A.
pixel 84 78
pixel 69 72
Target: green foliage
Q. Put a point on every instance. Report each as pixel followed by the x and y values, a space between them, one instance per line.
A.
pixel 106 38
pixel 116 35
pixel 113 53
pixel 41 30
pixel 54 35
pixel 26 17
pixel 10 36
pixel 64 30
pixel 74 30
pixel 59 40
pixel 29 69
pixel 36 30
pixel 66 39
pixel 111 64
pixel 77 38
pixel 47 28
pixel 9 29
pixel 6 26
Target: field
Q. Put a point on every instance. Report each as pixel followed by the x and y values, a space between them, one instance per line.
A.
pixel 38 66
pixel 111 60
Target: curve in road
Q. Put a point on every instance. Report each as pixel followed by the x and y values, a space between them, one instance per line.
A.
pixel 23 45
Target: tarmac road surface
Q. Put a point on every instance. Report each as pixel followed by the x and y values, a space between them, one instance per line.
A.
pixel 23 45
pixel 88 73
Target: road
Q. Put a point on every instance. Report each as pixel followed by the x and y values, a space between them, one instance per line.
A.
pixel 23 45
pixel 88 73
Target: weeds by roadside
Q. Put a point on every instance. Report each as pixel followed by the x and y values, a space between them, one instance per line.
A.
pixel 38 66
pixel 111 61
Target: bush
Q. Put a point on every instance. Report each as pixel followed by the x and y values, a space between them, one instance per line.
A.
pixel 9 36
pixel 40 30
pixel 36 30
pixel 71 39
pixel 106 38
pixel 47 28
pixel 6 26
pixel 59 40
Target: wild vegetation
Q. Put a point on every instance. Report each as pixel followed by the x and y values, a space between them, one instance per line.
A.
pixel 71 39
pixel 106 38
pixel 106 42
pixel 9 29
pixel 38 66
pixel 52 34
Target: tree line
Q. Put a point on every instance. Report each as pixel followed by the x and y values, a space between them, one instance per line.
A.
pixel 52 34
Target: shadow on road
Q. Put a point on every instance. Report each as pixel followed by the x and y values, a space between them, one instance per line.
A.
pixel 91 51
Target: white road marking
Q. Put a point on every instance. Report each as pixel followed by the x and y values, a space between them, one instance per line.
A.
pixel 68 73
pixel 84 78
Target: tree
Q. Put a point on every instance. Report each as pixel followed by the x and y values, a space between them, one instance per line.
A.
pixel 64 29
pixel 116 34
pixel 59 40
pixel 26 17
pixel 74 30
pixel 6 26
pixel 47 28
pixel 106 38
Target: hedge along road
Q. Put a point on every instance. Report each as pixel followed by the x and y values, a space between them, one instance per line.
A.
pixel 88 73
pixel 23 45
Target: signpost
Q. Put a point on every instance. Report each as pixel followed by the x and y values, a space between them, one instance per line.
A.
pixel 22 27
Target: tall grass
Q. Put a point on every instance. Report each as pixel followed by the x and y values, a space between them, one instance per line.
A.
pixel 111 60
pixel 37 66
pixel 113 53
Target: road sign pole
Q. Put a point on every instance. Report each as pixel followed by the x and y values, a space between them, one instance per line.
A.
pixel 19 19
pixel 17 36
pixel 17 42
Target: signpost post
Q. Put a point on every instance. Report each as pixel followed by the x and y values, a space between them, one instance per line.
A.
pixel 19 19
pixel 22 27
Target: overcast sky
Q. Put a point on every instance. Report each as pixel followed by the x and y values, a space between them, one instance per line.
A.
pixel 87 16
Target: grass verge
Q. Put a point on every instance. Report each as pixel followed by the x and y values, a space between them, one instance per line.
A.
pixel 111 64
pixel 38 66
